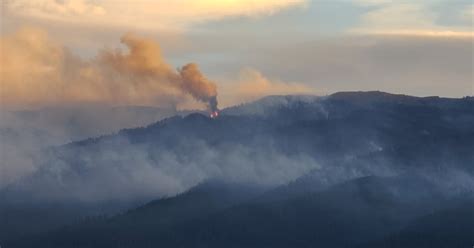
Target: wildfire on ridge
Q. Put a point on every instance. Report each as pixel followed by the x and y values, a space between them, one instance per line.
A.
pixel 214 114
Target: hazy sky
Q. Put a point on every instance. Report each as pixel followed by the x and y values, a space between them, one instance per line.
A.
pixel 248 48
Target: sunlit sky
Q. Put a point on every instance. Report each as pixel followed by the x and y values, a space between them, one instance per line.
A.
pixel 254 48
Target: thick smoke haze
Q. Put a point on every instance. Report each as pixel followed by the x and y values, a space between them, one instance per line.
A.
pixel 37 71
pixel 117 169
pixel 70 98
pixel 75 98
pixel 24 134
pixel 264 143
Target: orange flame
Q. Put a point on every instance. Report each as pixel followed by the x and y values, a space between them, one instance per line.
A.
pixel 214 114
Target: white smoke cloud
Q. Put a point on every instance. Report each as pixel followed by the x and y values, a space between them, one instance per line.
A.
pixel 252 85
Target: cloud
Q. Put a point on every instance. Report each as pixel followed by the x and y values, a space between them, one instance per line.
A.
pixel 468 14
pixel 405 19
pixel 371 2
pixel 252 85
pixel 37 71
pixel 143 14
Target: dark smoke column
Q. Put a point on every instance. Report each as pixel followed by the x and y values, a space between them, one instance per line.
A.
pixel 213 104
pixel 194 82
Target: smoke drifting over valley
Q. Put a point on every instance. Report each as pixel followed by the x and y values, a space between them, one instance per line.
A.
pixel 70 98
pixel 50 96
pixel 36 71
pixel 268 142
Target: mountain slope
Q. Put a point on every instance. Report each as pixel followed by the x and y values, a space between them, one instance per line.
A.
pixel 145 223
pixel 343 215
pixel 309 143
pixel 452 227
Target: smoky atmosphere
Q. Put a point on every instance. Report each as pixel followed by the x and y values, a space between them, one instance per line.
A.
pixel 250 123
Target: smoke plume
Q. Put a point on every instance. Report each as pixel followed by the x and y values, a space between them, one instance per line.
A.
pixel 198 86
pixel 36 72
pixel 145 60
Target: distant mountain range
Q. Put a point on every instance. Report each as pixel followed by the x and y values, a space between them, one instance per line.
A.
pixel 352 169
